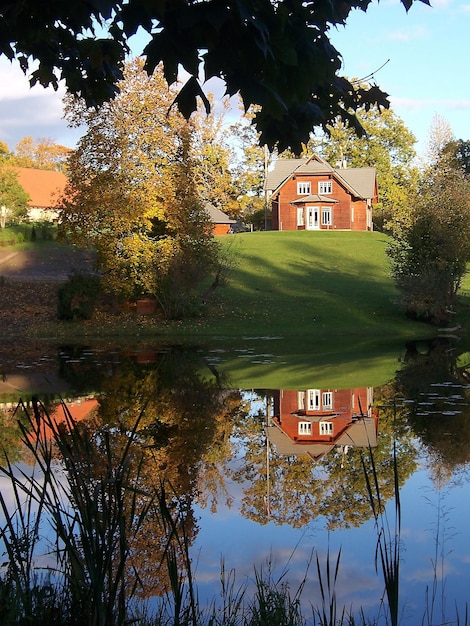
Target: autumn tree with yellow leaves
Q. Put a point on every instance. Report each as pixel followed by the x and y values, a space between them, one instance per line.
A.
pixel 133 195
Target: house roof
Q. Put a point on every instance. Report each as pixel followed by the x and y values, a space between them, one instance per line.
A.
pixel 283 168
pixel 360 181
pixel 217 216
pixel 44 187
pixel 361 433
pixel 315 197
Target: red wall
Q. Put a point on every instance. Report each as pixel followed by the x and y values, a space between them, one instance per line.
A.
pixel 285 213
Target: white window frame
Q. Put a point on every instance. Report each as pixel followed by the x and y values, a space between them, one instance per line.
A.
pixel 300 216
pixel 325 187
pixel 313 399
pixel 327 400
pixel 304 188
pixel 305 428
pixel 326 428
pixel 301 400
pixel 326 216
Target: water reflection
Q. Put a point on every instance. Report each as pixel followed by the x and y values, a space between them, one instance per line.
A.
pixel 276 458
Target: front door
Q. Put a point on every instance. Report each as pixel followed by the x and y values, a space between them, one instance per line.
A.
pixel 313 217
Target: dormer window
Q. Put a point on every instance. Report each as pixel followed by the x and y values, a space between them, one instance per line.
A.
pixel 303 188
pixel 325 187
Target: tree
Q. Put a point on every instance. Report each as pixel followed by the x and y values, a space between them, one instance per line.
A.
pixel 251 171
pixel 43 154
pixel 275 54
pixel 429 257
pixel 132 195
pixel 389 147
pixel 458 153
pixel 12 196
pixel 4 152
pixel 440 135
pixel 214 159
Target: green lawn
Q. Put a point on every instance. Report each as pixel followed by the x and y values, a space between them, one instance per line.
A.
pixel 305 306
pixel 324 285
pixel 298 306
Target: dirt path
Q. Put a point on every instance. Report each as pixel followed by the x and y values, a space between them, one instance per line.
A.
pixel 44 263
pixel 28 296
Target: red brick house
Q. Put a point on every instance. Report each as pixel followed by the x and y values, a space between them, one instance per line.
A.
pixel 309 194
pixel 314 421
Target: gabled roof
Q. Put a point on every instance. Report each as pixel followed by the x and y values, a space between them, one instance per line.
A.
pixel 361 433
pixel 360 181
pixel 284 168
pixel 217 216
pixel 44 187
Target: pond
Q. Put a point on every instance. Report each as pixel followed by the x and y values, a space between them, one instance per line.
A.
pixel 281 480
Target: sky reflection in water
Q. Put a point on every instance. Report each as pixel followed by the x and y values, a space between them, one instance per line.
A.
pixel 428 423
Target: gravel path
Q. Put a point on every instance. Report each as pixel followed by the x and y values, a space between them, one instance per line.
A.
pixel 47 264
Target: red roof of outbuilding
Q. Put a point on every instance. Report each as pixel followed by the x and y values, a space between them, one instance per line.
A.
pixel 44 187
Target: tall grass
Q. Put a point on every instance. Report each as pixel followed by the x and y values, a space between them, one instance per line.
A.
pixel 93 516
pixel 387 555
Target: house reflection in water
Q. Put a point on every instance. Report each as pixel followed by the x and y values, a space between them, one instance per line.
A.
pixel 315 421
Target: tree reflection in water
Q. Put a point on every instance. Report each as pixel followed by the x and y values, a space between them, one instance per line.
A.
pixel 435 383
pixel 191 427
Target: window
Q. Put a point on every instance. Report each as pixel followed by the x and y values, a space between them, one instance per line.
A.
pixel 313 400
pixel 303 188
pixel 326 428
pixel 300 217
pixel 326 216
pixel 305 428
pixel 301 401
pixel 325 186
pixel 327 400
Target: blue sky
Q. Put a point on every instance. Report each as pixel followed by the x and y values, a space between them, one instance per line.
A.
pixel 428 51
pixel 425 51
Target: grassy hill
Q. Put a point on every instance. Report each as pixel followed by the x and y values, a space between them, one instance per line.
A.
pixel 320 284
pixel 303 306
pixel 298 306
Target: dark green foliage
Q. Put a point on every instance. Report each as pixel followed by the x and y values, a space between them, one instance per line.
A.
pixel 283 60
pixel 77 297
pixel 430 255
pixel 458 152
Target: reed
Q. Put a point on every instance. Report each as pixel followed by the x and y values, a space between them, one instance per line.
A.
pixel 94 516
pixel 96 510
pixel 387 553
pixel 327 614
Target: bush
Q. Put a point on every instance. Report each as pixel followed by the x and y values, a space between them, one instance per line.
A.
pixel 77 297
pixel 429 256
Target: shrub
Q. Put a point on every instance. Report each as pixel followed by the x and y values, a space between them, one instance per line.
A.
pixel 429 256
pixel 77 297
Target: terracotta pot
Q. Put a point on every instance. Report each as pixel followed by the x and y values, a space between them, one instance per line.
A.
pixel 146 356
pixel 146 306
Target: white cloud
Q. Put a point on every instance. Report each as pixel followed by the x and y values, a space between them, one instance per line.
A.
pixel 409 34
pixel 416 104
pixel 29 111
pixel 16 84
